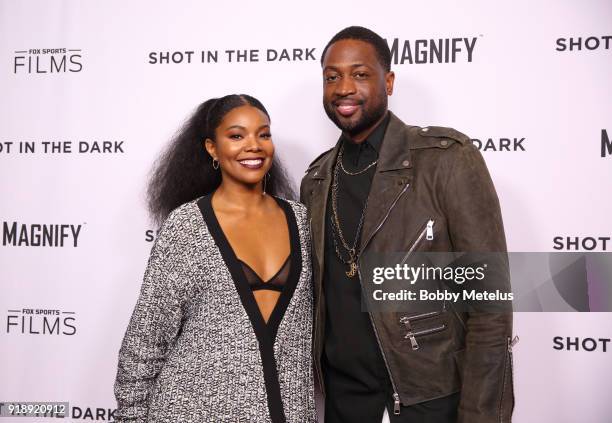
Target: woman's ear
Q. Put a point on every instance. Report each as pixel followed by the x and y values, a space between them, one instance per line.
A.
pixel 211 147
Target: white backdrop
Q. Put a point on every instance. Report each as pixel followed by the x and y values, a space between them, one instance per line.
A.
pixel 523 79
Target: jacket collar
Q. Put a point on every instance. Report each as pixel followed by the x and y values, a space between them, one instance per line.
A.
pixel 393 155
pixel 395 152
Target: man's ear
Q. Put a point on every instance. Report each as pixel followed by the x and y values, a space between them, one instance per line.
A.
pixel 211 147
pixel 389 80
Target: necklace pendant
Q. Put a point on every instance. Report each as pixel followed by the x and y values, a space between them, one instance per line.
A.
pixel 352 269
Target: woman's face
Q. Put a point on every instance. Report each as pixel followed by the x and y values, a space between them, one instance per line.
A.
pixel 243 145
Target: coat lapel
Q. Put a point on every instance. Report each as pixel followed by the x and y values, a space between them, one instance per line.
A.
pixel 318 203
pixel 393 174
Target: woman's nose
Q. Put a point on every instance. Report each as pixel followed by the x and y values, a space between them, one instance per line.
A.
pixel 252 143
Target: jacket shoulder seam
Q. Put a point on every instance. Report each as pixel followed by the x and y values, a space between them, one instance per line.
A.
pixel 433 134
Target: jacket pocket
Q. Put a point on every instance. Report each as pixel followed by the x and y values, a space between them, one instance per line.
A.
pixel 426 233
pixel 413 333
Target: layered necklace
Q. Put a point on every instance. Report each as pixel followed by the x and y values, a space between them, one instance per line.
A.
pixel 349 250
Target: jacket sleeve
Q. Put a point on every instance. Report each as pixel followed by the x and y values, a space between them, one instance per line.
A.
pixel 153 327
pixel 475 225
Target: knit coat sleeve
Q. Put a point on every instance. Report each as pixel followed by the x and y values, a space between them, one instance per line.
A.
pixel 154 325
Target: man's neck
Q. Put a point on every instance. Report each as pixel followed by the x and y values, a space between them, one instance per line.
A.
pixel 363 135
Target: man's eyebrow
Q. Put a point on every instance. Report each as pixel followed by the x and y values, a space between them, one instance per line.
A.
pixel 354 65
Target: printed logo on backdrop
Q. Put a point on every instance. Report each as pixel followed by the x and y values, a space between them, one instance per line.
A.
pixel 606 145
pixel 589 43
pixel 500 144
pixel 151 234
pixel 40 321
pixel 90 147
pixel 92 413
pixel 295 54
pixel 419 51
pixel 575 343
pixel 47 61
pixel 19 234
pixel 439 50
pixel 56 409
pixel 585 243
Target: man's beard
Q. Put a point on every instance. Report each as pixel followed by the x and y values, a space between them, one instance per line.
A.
pixel 370 115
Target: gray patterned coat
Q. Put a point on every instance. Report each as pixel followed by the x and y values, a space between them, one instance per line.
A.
pixel 196 351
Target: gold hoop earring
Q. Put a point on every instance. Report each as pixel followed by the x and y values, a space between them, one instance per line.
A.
pixel 217 164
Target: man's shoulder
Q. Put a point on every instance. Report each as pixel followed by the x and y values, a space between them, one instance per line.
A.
pixel 429 136
pixel 449 147
pixel 437 137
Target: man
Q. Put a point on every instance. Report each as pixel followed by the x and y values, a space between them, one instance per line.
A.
pixel 381 188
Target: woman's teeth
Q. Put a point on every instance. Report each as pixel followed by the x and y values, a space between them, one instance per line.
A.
pixel 251 162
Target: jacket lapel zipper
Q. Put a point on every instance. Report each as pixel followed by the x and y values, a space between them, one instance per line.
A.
pixel 396 401
pixel 396 404
pixel 385 217
pixel 396 398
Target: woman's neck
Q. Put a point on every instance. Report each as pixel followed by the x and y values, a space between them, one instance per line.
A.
pixel 233 196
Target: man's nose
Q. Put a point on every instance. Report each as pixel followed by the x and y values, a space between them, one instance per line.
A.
pixel 345 86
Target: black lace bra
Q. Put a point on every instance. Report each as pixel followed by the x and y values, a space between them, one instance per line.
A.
pixel 275 283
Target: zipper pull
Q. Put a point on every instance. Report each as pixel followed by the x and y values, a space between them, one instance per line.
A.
pixel 413 341
pixel 512 343
pixel 396 404
pixel 429 236
pixel 406 321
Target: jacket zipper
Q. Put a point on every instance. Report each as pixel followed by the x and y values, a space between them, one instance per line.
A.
pixel 396 398
pixel 396 404
pixel 511 343
pixel 427 232
pixel 412 335
pixel 420 316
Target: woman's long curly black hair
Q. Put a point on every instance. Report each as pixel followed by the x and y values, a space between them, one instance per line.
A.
pixel 184 171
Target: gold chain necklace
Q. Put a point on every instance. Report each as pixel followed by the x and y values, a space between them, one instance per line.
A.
pixel 337 230
pixel 359 171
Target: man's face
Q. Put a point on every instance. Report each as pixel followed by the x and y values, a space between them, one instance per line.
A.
pixel 355 86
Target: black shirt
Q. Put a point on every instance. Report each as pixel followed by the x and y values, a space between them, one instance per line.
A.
pixel 353 364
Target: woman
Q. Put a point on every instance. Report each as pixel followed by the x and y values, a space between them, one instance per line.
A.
pixel 221 331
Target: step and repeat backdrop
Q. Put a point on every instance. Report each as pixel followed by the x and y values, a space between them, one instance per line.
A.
pixel 92 91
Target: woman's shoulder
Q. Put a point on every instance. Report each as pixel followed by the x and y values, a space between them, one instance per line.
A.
pixel 183 212
pixel 297 207
pixel 182 218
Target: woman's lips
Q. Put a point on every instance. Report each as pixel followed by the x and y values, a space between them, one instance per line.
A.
pixel 252 163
